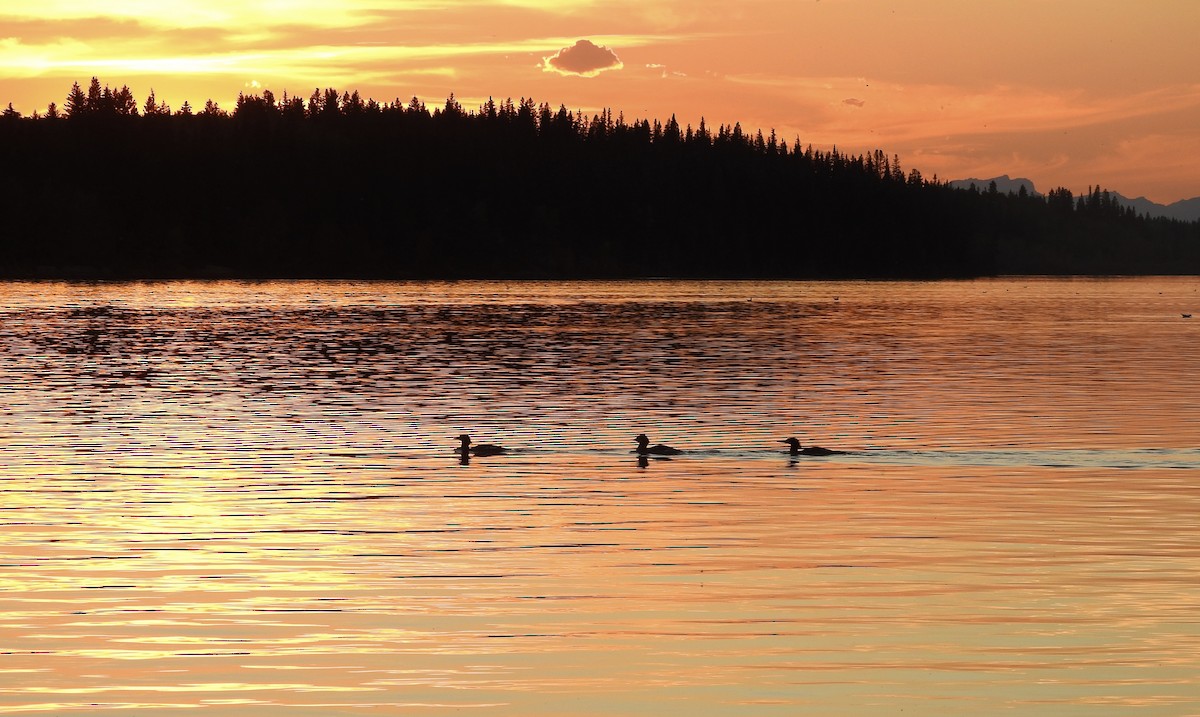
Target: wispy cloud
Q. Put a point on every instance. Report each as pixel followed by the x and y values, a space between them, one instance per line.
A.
pixel 260 13
pixel 19 59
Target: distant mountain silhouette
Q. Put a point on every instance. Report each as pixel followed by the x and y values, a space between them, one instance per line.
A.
pixel 1004 185
pixel 1185 210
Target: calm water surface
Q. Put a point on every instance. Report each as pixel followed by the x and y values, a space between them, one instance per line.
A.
pixel 241 498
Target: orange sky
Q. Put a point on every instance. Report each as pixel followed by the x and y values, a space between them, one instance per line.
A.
pixel 1064 92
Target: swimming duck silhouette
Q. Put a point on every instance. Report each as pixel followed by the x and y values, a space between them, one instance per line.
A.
pixel 644 448
pixel 482 449
pixel 796 450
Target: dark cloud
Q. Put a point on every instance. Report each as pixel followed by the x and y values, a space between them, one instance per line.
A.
pixel 854 102
pixel 584 58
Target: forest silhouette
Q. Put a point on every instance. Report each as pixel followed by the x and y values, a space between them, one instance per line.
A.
pixel 333 185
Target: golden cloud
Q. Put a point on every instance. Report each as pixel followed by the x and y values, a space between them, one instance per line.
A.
pixel 583 59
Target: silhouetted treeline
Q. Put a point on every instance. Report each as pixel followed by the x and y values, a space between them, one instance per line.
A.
pixel 333 185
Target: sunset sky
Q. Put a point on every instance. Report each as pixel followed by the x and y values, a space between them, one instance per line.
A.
pixel 1064 92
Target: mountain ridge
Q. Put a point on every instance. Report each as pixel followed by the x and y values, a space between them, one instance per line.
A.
pixel 1186 210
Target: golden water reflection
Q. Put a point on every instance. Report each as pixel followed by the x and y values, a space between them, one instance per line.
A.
pixel 189 540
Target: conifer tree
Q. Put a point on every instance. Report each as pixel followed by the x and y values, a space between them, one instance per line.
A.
pixel 76 101
pixel 151 106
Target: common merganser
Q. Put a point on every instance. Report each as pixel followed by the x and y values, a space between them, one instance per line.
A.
pixel 644 448
pixel 796 450
pixel 483 449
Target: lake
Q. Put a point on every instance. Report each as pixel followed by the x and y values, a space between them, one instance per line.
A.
pixel 242 498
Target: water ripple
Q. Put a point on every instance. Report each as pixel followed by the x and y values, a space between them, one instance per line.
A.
pixel 241 498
